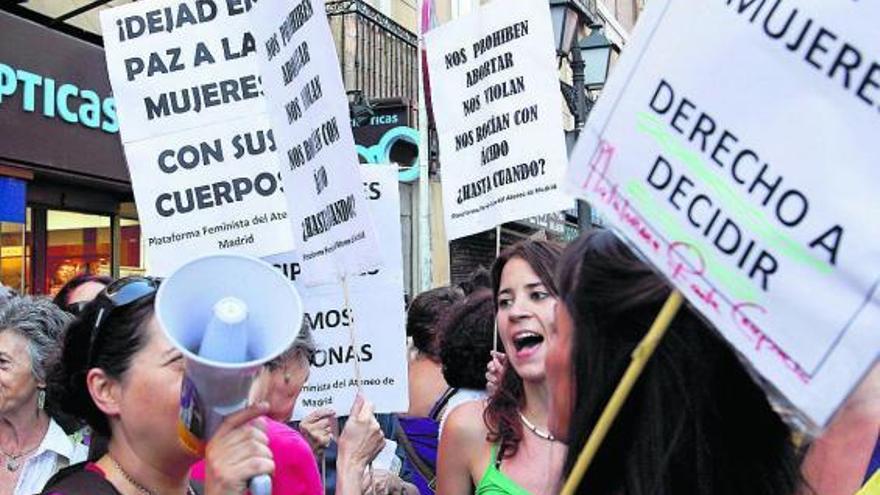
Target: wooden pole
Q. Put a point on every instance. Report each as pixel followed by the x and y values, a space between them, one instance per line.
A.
pixel 497 253
pixel 640 357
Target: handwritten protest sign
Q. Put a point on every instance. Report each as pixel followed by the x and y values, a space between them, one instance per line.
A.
pixel 497 105
pixel 376 301
pixel 732 147
pixel 199 147
pixel 308 108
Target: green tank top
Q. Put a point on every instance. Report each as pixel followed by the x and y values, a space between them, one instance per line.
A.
pixel 494 482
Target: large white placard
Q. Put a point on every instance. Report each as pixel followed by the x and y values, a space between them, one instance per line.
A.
pixel 735 147
pixel 496 100
pixel 180 64
pixel 377 306
pixel 308 108
pixel 199 147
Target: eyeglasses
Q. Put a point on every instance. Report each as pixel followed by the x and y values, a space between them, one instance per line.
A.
pixel 120 293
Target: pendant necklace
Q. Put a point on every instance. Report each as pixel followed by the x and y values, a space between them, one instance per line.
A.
pixel 546 435
pixel 12 461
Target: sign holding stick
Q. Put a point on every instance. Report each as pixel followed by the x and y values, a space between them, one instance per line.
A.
pixel 308 108
pixel 200 150
pixel 497 105
pixel 640 357
pixel 497 254
pixel 765 223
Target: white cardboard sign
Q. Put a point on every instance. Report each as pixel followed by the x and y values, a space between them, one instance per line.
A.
pixel 180 64
pixel 733 146
pixel 199 147
pixel 376 301
pixel 308 107
pixel 495 91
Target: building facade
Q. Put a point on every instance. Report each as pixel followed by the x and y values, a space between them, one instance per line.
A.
pixel 378 55
pixel 60 147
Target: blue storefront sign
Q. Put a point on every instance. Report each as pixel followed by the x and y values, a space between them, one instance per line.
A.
pixel 13 193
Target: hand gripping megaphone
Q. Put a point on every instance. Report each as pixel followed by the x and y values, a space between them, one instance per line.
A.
pixel 228 314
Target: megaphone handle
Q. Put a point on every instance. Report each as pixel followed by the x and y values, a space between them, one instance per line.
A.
pixel 261 485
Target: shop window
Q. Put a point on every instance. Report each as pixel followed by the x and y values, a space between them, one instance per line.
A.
pixel 76 243
pixel 15 251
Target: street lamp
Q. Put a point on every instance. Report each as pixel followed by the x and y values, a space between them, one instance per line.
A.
pixel 566 16
pixel 596 53
pixel 359 108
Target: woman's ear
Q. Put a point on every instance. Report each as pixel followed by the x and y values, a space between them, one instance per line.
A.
pixel 260 386
pixel 105 391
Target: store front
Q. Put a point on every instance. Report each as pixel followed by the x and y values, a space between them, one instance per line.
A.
pixel 66 199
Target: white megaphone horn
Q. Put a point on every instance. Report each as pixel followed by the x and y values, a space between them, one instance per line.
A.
pixel 228 314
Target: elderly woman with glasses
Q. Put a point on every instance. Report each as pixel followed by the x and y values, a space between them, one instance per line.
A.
pixel 279 384
pixel 32 444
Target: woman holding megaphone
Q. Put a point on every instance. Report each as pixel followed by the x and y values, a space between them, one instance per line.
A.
pixel 122 375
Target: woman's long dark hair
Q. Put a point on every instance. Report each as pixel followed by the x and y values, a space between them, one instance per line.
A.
pixel 695 423
pixel 120 337
pixel 502 411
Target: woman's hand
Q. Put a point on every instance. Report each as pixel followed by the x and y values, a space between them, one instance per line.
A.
pixel 237 452
pixel 360 442
pixel 317 428
pixel 494 371
pixel 385 483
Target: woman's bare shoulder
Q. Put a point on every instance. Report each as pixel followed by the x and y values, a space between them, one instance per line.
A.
pixel 465 423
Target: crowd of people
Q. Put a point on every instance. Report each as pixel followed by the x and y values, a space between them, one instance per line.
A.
pixel 90 389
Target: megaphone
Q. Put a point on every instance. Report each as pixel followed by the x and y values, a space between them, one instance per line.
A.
pixel 228 314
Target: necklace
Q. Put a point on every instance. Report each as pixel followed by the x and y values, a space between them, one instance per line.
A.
pixel 12 463
pixel 13 460
pixel 141 488
pixel 546 435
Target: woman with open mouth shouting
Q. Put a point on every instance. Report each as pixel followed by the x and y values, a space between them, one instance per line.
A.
pixel 502 445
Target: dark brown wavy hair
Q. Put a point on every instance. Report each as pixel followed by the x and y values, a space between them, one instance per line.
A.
pixel 501 415
pixel 695 423
pixel 425 314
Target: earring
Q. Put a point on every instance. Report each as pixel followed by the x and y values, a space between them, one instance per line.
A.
pixel 287 377
pixel 41 399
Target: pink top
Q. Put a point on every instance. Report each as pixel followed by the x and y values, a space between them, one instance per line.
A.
pixel 296 471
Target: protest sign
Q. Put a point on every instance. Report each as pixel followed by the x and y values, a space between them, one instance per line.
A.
pixel 731 147
pixel 200 150
pixel 308 107
pixel 180 64
pixel 497 105
pixel 376 305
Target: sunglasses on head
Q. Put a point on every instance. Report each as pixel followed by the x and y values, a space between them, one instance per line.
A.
pixel 76 308
pixel 120 293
